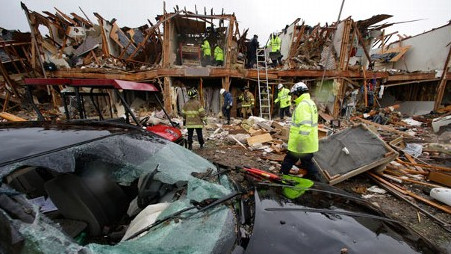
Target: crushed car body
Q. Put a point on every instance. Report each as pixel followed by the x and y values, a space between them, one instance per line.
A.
pixel 95 187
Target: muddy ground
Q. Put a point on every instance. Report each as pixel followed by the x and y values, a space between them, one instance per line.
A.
pixel 395 208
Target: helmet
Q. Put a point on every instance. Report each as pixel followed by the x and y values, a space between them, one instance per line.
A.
pixel 222 91
pixel 280 86
pixel 299 88
pixel 192 92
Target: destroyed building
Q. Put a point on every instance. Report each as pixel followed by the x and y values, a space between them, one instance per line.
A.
pixel 334 60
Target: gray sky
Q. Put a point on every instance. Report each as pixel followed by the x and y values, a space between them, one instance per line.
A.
pixel 261 16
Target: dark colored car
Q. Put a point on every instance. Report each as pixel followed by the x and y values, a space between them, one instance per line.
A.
pixel 110 188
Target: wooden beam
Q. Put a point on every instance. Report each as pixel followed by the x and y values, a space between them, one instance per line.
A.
pixel 442 85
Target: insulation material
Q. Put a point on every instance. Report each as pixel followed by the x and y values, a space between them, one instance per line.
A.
pixel 353 149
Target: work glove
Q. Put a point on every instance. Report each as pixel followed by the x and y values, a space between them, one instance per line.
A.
pixel 204 122
pixel 228 107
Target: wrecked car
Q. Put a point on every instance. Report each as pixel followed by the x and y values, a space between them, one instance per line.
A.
pixel 96 187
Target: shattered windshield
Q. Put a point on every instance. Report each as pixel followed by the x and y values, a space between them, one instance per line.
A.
pixel 127 158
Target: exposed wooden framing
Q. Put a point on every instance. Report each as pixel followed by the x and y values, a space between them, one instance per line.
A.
pixel 5 104
pixel 350 48
pixel 294 48
pixel 105 47
pixel 34 39
pixel 8 80
pixel 66 17
pixel 362 42
pixel 442 85
pixel 228 53
pixel 167 95
pixel 365 90
pixel 83 21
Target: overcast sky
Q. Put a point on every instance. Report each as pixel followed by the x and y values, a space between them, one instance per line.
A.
pixel 261 16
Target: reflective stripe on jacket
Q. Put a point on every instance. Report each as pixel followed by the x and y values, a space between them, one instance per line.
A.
pixel 284 98
pixel 206 48
pixel 194 114
pixel 219 54
pixel 304 127
pixel 247 99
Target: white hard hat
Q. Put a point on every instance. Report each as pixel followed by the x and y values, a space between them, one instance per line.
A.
pixel 280 86
pixel 299 87
pixel 222 91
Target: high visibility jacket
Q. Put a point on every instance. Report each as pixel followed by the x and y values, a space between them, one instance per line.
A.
pixel 194 114
pixel 219 54
pixel 247 99
pixel 303 136
pixel 206 48
pixel 275 42
pixel 284 97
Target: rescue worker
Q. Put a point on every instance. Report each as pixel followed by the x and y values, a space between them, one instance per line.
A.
pixel 274 45
pixel 252 52
pixel 228 102
pixel 303 137
pixel 206 52
pixel 284 98
pixel 219 55
pixel 194 116
pixel 247 102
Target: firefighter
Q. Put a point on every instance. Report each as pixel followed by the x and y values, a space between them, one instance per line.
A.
pixel 303 137
pixel 247 102
pixel 206 52
pixel 284 98
pixel 194 116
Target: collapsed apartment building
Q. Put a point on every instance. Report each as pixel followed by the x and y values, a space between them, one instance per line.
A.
pixel 334 60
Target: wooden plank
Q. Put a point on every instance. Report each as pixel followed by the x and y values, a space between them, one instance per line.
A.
pixel 427 166
pixel 440 177
pixel 11 117
pixel 384 127
pixel 259 139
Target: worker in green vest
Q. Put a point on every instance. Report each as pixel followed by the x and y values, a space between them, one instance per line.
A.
pixel 206 52
pixel 303 137
pixel 219 55
pixel 195 118
pixel 274 44
pixel 284 98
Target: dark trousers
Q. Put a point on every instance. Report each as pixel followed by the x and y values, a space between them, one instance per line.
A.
pixel 226 113
pixel 200 137
pixel 306 163
pixel 219 62
pixel 284 111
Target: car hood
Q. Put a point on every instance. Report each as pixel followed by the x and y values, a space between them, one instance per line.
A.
pixel 29 139
pixel 326 220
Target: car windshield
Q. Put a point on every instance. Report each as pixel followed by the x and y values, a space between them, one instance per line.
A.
pixel 126 158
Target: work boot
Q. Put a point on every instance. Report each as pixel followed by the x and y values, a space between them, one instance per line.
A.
pixel 190 146
pixel 201 146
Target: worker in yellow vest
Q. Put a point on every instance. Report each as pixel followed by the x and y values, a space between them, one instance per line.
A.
pixel 274 44
pixel 284 98
pixel 219 55
pixel 303 137
pixel 206 53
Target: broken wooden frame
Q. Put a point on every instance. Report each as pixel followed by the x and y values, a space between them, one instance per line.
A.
pixel 322 160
